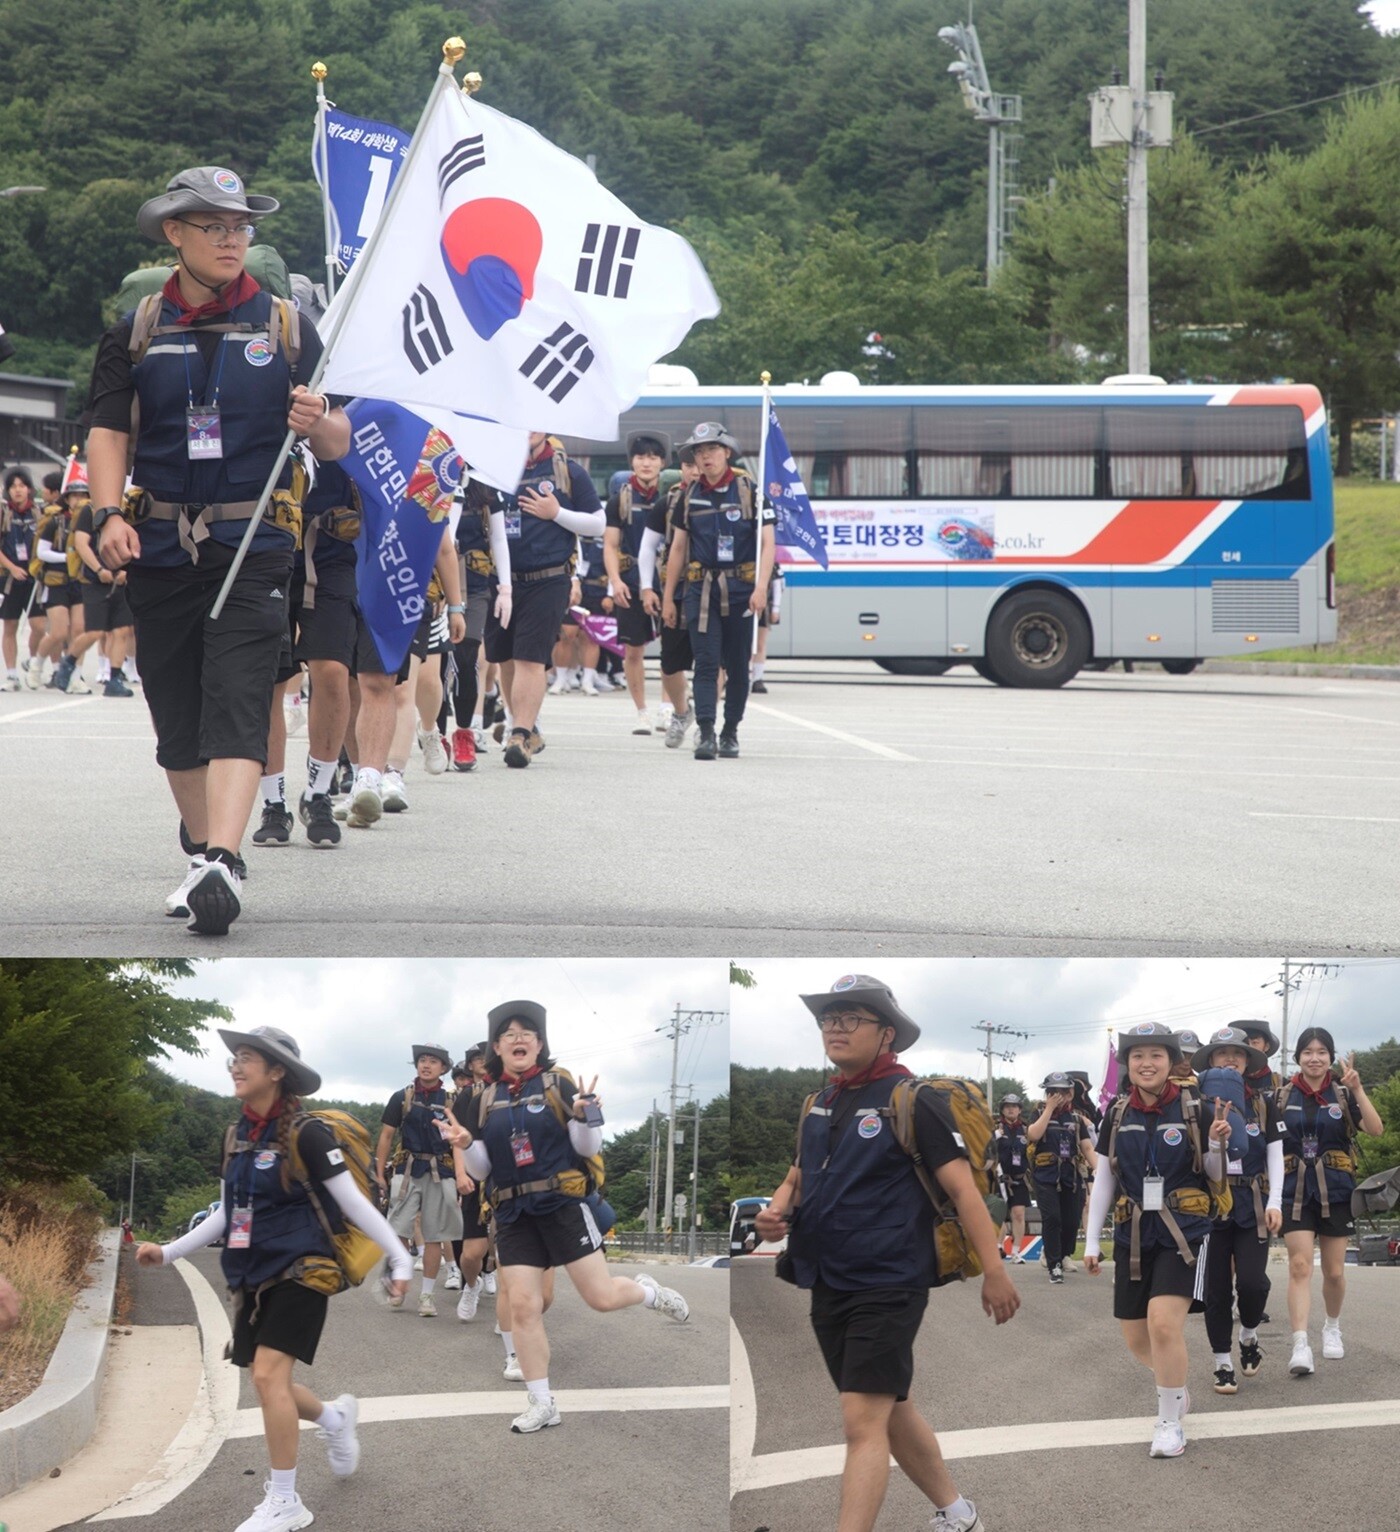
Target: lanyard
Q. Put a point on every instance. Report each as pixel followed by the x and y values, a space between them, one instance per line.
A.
pixel 218 374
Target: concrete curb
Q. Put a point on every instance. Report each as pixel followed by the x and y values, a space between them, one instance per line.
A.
pixel 59 1417
pixel 1297 668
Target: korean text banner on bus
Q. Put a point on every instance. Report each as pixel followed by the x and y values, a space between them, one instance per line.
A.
pixel 356 163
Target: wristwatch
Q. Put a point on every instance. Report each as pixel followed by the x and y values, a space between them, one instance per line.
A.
pixel 101 517
pixel 455 606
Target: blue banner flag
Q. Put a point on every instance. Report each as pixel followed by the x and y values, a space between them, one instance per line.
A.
pixel 407 473
pixel 787 494
pixel 355 162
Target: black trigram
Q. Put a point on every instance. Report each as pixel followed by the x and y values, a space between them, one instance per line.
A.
pixel 425 337
pixel 466 154
pixel 612 275
pixel 556 364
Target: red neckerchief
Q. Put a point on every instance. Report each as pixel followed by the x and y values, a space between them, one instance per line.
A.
pixel 885 1065
pixel 239 290
pixel 1307 1089
pixel 513 1082
pixel 1135 1101
pixel 27 509
pixel 546 451
pixel 723 482
pixel 256 1124
pixel 641 489
pixel 432 1090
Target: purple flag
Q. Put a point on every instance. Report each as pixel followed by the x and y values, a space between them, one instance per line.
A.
pixel 1110 1079
pixel 602 630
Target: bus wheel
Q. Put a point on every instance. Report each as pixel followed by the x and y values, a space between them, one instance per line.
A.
pixel 1179 667
pixel 1037 638
pixel 915 667
pixel 984 670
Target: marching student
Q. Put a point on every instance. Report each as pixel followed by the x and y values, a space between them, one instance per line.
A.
pixel 528 1130
pixel 628 513
pixel 271 1226
pixel 677 656
pixel 18 517
pixel 1162 1170
pixel 1322 1111
pixel 1062 1154
pixel 1013 1160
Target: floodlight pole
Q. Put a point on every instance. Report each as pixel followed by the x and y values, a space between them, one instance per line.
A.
pixel 1139 340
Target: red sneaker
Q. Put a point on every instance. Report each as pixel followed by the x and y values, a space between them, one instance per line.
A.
pixel 463 750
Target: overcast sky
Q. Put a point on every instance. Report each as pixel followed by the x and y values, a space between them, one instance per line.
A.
pixel 1385 14
pixel 357 1019
pixel 1067 1004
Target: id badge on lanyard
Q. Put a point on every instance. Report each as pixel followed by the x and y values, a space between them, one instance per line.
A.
pixel 513 522
pixel 521 1148
pixel 724 545
pixel 203 433
pixel 240 1229
pixel 1309 1146
pixel 1015 1159
pixel 1152 1194
pixel 1066 1147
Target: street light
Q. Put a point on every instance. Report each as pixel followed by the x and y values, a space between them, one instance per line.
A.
pixel 14 191
pixel 970 71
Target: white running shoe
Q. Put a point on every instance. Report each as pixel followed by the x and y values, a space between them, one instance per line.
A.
pixel 511 1372
pixel 33 673
pixel 213 899
pixel 427 1309
pixel 643 723
pixel 466 1304
pixel 1300 1364
pixel 667 1301
pixel 589 688
pixel 177 903
pixel 1168 1440
pixel 277 1513
pixel 539 1413
pixel 488 1289
pixel 1332 1348
pixel 561 684
pixel 343 1446
pixel 392 793
pixel 365 806
pixel 294 711
pixel 675 730
pixel 434 756
pixel 453 1281
pixel 77 687
pixel 944 1523
pixel 12 682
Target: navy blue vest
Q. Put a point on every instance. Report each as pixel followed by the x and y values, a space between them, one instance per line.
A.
pixel 1055 1154
pixel 1302 1115
pixel 536 544
pixel 419 1133
pixel 1012 1149
pixel 332 489
pixel 473 537
pixel 285 1226
pixel 1255 1162
pixel 18 541
pixel 253 388
pixel 712 514
pixel 864 1221
pixel 632 530
pixel 530 1114
pixel 1158 1142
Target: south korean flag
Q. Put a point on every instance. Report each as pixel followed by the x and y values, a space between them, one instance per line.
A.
pixel 506 283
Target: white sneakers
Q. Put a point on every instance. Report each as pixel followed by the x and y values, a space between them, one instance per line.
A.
pixel 1332 1348
pixel 1168 1440
pixel 466 1304
pixel 488 1289
pixel 942 1522
pixel 434 756
pixel 539 1413
pixel 452 1282
pixel 208 897
pixel 427 1309
pixel 343 1446
pixel 561 684
pixel 391 790
pixel 667 1301
pixel 511 1372
pixel 176 903
pixel 277 1513
pixel 1300 1364
pixel 366 806
pixel 676 728
pixel 643 723
pixel 589 689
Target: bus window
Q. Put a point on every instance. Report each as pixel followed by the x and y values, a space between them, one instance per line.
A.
pixel 956 475
pixel 876 475
pixel 1206 452
pixel 992 452
pixel 1045 475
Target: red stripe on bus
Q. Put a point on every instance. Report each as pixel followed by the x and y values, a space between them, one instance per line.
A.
pixel 1143 532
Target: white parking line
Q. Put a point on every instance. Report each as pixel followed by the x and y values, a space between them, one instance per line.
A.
pixel 48 707
pixel 1355 819
pixel 821 728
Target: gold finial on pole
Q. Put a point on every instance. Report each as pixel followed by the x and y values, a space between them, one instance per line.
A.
pixel 765 378
pixel 319 71
pixel 454 50
pixel 471 83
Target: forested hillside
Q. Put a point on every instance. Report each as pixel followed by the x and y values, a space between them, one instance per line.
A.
pixel 816 151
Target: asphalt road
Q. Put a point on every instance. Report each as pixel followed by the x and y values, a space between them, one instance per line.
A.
pixel 1127 814
pixel 643 1442
pixel 1046 1421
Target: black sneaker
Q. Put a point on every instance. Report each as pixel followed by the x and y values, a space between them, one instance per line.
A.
pixel 317 815
pixel 761 687
pixel 729 745
pixel 1225 1381
pixel 276 826
pixel 705 749
pixel 1057 1274
pixel 1251 1358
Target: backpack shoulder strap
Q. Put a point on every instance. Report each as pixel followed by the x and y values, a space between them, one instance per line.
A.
pixel 1116 1109
pixel 1191 1116
pixel 745 494
pixel 1344 1099
pixel 624 505
pixel 286 317
pixel 143 323
pixel 802 1116
pixel 562 473
pixel 230 1139
pixel 550 1080
pixel 903 1099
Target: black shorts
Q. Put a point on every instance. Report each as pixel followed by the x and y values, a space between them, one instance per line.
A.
pixel 437 637
pixel 209 684
pixel 473 1224
pixel 367 661
pixel 1164 1275
pixel 867 1338
pixel 1339 1224
pixel 676 653
pixel 537 613
pixel 634 626
pixel 325 630
pixel 105 608
pixel 591 596
pixel 548 1239
pixel 68 594
pixel 1018 1195
pixel 290 1319
pixel 16 600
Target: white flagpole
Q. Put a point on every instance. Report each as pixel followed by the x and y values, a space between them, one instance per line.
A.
pixel 452 52
pixel 318 73
pixel 765 378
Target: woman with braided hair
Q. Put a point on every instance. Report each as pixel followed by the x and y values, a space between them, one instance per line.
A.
pixel 270 1226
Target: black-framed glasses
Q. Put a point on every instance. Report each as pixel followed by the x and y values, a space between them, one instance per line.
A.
pixel 224 233
pixel 845 1021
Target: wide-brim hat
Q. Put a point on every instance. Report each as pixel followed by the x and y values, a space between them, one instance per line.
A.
pixel 531 1012
pixel 711 433
pixel 1259 1029
pixel 1058 1080
pixel 1152 1033
pixel 861 989
pixel 277 1047
pixel 206 188
pixel 1229 1037
pixel 661 439
pixel 433 1051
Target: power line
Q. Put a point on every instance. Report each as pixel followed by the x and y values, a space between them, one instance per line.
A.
pixel 1298 106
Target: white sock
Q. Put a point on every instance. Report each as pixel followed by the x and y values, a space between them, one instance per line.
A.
pixel 590 677
pixel 508 1341
pixel 1300 1337
pixel 429 1283
pixel 1332 1322
pixel 129 668
pixel 758 676
pixel 330 1419
pixel 960 1510
pixel 320 775
pixel 274 788
pixel 1222 1359
pixel 371 776
pixel 476 723
pixel 284 1482
pixel 1248 1337
pixel 104 669
pixel 538 1388
pixel 1169 1402
pixel 649 1302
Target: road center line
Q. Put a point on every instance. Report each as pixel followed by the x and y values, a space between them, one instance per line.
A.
pixel 822 728
pixel 1355 819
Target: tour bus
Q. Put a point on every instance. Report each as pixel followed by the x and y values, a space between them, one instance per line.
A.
pixel 741 1216
pixel 1030 532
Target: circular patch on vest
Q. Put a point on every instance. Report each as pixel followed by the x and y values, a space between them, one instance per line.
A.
pixel 257 353
pixel 537 1105
pixel 226 181
pixel 733 515
pixel 264 1160
pixel 1171 1136
pixel 1252 1128
pixel 848 982
pixel 1335 1111
pixel 545 487
pixel 869 1125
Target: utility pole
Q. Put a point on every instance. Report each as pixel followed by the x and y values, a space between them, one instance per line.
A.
pixel 695 1182
pixel 987 1049
pixel 651 1172
pixel 131 1199
pixel 683 1021
pixel 1292 977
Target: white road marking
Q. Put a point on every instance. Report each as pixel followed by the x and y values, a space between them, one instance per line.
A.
pixel 743 1411
pixel 775 1469
pixel 1314 712
pixel 210 1421
pixel 1355 819
pixel 51 707
pixel 397 1407
pixel 821 728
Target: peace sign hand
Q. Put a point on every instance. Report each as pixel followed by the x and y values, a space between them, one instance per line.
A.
pixel 587 1093
pixel 1350 1077
pixel 1220 1128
